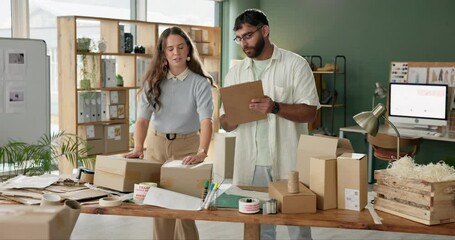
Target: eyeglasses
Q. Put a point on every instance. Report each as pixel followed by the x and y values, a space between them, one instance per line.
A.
pixel 246 36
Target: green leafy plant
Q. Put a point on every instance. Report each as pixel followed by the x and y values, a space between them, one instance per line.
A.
pixel 18 157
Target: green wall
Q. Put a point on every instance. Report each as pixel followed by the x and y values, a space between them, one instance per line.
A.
pixel 369 33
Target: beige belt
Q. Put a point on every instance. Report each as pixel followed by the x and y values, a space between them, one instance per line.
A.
pixel 172 136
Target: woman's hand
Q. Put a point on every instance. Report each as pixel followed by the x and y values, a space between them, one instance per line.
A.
pixel 135 154
pixel 194 159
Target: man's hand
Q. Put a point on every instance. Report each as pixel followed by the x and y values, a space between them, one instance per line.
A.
pixel 263 105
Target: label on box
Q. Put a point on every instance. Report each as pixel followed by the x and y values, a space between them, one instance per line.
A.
pixel 351 199
pixel 90 131
pixel 114 132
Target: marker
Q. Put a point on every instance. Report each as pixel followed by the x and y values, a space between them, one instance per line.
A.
pixel 206 190
pixel 210 196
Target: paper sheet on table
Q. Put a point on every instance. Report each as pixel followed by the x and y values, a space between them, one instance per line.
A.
pixel 22 181
pixel 172 200
pixel 234 190
pixel 178 164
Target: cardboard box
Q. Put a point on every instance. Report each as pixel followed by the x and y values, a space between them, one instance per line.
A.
pixel 119 173
pixel 96 146
pixel 196 34
pixel 35 222
pixel 204 48
pixel 95 131
pixel 117 97
pixel 302 202
pixel 116 138
pixel 186 179
pixel 318 145
pixel 223 161
pixel 323 181
pixel 352 181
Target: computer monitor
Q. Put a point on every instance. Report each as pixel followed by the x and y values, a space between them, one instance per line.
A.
pixel 418 105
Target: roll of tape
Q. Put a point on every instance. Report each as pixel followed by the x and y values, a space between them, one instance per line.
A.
pixel 293 182
pixel 140 191
pixel 269 207
pixel 110 201
pixel 249 205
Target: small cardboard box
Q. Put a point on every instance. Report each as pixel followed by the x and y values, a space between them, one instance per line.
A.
pixel 302 202
pixel 223 162
pixel 117 97
pixel 323 181
pixel 96 146
pixel 95 131
pixel 119 173
pixel 186 179
pixel 116 137
pixel 318 145
pixel 196 34
pixel 352 181
pixel 35 222
pixel 204 48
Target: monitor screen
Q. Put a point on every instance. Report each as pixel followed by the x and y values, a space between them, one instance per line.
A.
pixel 418 104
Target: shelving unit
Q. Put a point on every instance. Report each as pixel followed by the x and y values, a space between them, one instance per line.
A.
pixel 109 134
pixel 335 76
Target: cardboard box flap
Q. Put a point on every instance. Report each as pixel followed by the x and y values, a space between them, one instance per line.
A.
pixel 318 144
pixel 344 145
pixel 356 156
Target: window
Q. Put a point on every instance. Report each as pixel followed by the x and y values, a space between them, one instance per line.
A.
pixel 5 19
pixel 43 25
pixel 194 12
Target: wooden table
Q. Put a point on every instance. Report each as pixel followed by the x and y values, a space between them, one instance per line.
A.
pixel 335 218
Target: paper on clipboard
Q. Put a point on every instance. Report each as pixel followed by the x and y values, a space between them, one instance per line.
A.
pixel 236 99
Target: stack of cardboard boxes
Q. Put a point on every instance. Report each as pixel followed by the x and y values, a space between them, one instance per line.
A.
pixel 331 176
pixel 119 173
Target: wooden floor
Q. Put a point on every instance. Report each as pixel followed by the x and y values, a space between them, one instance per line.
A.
pixel 91 226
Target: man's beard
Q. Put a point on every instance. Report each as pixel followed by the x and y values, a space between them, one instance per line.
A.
pixel 257 50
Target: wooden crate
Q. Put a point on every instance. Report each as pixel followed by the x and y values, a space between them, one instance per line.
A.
pixel 425 202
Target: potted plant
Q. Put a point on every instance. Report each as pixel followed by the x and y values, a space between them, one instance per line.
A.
pixel 18 157
pixel 119 79
pixel 87 67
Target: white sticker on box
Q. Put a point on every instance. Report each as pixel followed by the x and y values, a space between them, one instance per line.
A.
pixel 90 131
pixel 351 199
pixel 114 132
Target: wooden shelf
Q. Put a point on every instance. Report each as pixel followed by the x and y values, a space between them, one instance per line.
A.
pixel 131 66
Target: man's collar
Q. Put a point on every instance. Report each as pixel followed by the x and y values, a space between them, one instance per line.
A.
pixel 275 55
pixel 180 77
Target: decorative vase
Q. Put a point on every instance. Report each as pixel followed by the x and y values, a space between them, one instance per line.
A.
pixel 102 46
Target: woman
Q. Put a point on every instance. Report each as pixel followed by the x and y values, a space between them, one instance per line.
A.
pixel 177 92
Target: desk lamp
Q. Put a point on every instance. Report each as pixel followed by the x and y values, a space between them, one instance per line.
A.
pixel 379 92
pixel 369 121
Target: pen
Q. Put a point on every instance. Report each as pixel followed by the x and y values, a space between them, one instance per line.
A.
pixel 210 195
pixel 205 191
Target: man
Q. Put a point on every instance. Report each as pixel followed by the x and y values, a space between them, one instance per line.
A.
pixel 266 150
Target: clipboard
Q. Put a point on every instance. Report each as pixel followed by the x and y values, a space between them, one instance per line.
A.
pixel 236 99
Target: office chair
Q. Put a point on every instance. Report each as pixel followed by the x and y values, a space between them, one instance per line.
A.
pixel 385 146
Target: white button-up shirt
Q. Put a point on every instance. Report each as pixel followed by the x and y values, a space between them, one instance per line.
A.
pixel 287 79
